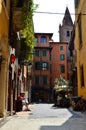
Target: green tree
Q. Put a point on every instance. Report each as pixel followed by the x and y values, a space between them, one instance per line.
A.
pixel 60 83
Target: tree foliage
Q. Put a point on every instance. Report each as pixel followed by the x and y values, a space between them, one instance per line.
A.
pixel 60 83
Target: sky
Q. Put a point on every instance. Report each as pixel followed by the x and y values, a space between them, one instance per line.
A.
pixel 49 23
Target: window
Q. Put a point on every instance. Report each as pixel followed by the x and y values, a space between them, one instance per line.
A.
pixel 36 52
pixel 80 31
pixel 76 3
pixel 62 68
pixel 36 80
pixel 61 47
pixel 37 65
pixel 43 39
pixel 36 39
pixel 68 33
pixel 82 76
pixel 44 53
pixel 44 79
pixel 62 57
pixel 44 65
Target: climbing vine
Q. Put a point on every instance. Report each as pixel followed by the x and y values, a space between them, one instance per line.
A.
pixel 26 26
pixel 27 29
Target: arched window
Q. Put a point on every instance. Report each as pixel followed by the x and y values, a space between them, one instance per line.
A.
pixel 43 39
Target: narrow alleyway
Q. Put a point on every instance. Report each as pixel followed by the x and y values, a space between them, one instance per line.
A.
pixel 45 117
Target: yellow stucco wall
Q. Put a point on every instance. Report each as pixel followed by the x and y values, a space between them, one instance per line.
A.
pixel 81 51
pixel 4 47
pixel 4 23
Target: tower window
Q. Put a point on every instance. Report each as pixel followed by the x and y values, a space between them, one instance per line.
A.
pixel 68 33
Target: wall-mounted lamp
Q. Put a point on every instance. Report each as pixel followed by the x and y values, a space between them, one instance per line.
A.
pixel 18 35
pixel 23 79
pixel 19 72
pixel 12 58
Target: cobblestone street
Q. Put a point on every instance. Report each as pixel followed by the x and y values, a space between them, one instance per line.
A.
pixel 45 117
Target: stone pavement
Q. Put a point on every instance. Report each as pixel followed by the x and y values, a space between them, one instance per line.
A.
pixel 23 121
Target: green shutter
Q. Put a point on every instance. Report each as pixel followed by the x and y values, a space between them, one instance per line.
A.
pixel 44 52
pixel 44 79
pixel 36 80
